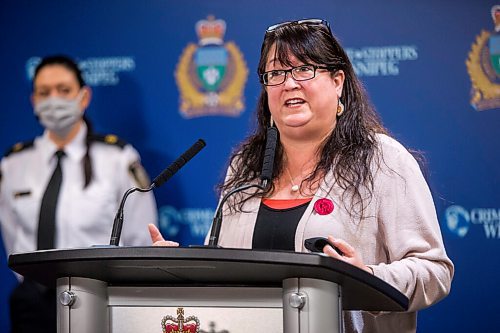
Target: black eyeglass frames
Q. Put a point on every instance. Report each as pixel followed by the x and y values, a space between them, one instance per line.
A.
pixel 299 73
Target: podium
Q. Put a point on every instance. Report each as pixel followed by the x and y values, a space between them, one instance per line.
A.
pixel 204 290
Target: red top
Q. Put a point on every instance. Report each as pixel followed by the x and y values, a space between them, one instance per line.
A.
pixel 284 203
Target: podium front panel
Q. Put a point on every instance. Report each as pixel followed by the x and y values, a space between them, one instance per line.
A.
pixel 213 309
pixel 208 319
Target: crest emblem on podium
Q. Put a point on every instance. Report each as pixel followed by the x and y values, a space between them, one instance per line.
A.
pixel 483 66
pixel 191 324
pixel 211 76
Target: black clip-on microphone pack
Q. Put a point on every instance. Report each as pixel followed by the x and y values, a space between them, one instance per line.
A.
pixel 316 244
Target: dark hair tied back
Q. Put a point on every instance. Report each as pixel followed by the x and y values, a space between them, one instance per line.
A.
pixel 64 61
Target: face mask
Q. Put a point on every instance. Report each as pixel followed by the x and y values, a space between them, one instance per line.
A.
pixel 58 114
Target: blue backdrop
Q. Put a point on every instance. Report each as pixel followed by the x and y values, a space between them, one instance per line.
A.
pixel 430 67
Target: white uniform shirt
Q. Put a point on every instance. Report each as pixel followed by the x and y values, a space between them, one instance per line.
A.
pixel 84 217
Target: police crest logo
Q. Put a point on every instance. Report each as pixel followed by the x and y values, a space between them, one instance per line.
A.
pixel 211 76
pixel 180 324
pixel 483 66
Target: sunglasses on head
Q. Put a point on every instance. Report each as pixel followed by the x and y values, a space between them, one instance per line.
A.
pixel 298 22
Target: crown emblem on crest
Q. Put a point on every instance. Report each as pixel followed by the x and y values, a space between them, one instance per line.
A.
pixel 180 324
pixel 210 31
pixel 495 15
pixel 483 66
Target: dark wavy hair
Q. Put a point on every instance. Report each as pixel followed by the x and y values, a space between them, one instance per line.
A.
pixel 348 151
pixel 72 66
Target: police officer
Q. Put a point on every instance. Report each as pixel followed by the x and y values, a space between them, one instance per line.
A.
pixel 62 190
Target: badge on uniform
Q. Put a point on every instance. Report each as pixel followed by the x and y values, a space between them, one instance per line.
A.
pixel 139 174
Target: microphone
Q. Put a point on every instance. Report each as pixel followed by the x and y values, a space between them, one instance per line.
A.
pixel 178 163
pixel 268 163
pixel 157 182
pixel 265 176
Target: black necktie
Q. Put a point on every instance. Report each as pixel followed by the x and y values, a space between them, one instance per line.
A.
pixel 47 222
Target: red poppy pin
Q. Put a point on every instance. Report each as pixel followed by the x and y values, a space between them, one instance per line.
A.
pixel 323 206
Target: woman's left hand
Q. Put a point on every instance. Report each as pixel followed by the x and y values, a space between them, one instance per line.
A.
pixel 350 255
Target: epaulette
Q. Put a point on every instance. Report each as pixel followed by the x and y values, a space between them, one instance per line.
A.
pixel 109 139
pixel 20 146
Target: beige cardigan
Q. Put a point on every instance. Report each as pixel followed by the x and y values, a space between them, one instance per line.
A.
pixel 399 237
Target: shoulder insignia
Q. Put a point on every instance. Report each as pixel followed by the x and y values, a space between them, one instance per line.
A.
pixel 109 139
pixel 139 174
pixel 20 146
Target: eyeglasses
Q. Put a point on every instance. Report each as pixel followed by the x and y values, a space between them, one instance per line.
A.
pixel 306 21
pixel 299 73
